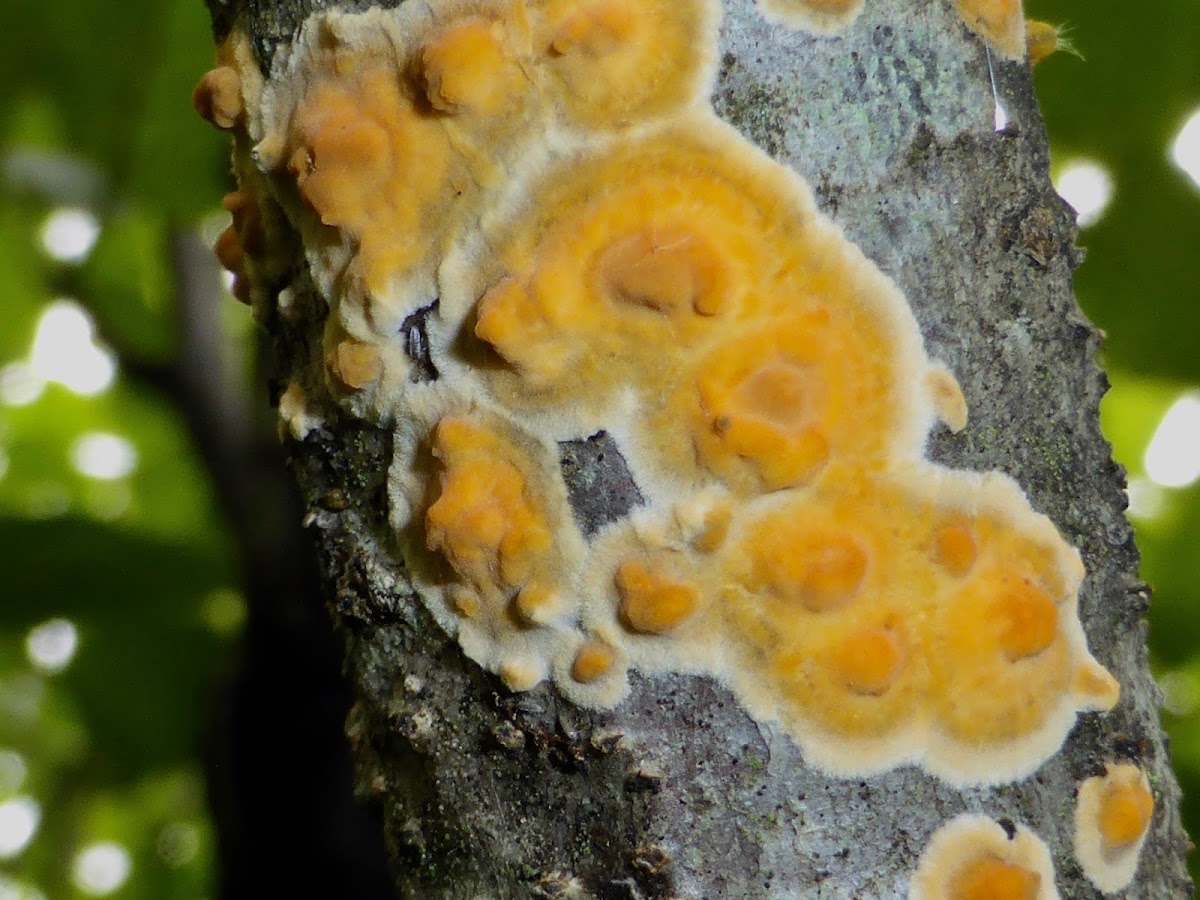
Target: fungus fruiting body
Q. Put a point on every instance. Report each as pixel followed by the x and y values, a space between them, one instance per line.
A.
pixel 1112 818
pixel 607 254
pixel 1001 23
pixel 972 857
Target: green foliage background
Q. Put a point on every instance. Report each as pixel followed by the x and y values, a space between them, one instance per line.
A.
pixel 95 115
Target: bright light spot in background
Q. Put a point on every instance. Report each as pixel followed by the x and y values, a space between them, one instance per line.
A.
pixel 178 843
pixel 99 454
pixel 1185 151
pixel 223 610
pixel 15 890
pixel 1181 693
pixel 227 278
pixel 20 385
pixel 1146 500
pixel 12 771
pixel 51 646
pixel 1088 187
pixel 69 234
pixel 1173 457
pixel 19 820
pixel 101 868
pixel 64 350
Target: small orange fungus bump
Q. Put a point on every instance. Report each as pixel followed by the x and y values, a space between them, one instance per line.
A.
pixel 947 398
pixel 228 250
pixel 462 66
pixel 484 520
pixel 1096 686
pixel 651 603
pixel 519 674
pixel 596 28
pixel 218 97
pixel 620 61
pixel 1029 620
pixel 668 271
pixel 535 602
pixel 1112 818
pixel 342 162
pixel 1125 811
pixel 954 549
pixel 355 364
pixel 869 661
pixel 822 572
pixel 1041 40
pixel 991 878
pixel 972 857
pixel 466 603
pixel 593 660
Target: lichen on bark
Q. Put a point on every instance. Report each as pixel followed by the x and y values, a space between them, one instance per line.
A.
pixel 677 792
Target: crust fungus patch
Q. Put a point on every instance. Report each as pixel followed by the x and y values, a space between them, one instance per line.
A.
pixel 972 857
pixel 1112 818
pixel 1001 23
pixel 607 255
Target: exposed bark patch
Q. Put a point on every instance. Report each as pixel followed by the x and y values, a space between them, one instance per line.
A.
pixel 599 485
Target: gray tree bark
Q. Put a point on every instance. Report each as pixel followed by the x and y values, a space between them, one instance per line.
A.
pixel 678 792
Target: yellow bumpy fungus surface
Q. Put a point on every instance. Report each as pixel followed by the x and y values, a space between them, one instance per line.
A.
pixel 606 253
pixel 1112 818
pixel 617 62
pixel 973 858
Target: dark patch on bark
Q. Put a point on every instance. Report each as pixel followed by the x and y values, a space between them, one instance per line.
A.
pixel 599 485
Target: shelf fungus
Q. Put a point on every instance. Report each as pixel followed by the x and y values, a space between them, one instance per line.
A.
pixel 606 254
pixel 1112 818
pixel 972 857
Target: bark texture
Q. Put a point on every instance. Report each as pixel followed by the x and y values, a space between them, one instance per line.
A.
pixel 677 792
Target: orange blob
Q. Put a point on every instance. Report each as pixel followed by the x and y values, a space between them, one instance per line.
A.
pixel 354 364
pixel 820 571
pixel 463 67
pixel 218 97
pixel 484 521
pixel 992 878
pixel 342 163
pixel 228 249
pixel 1029 620
pixel 370 164
pixel 593 661
pixel 954 549
pixel 868 662
pixel 1041 41
pixel 1125 811
pixel 671 271
pixel 598 27
pixel 775 406
pixel 651 603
